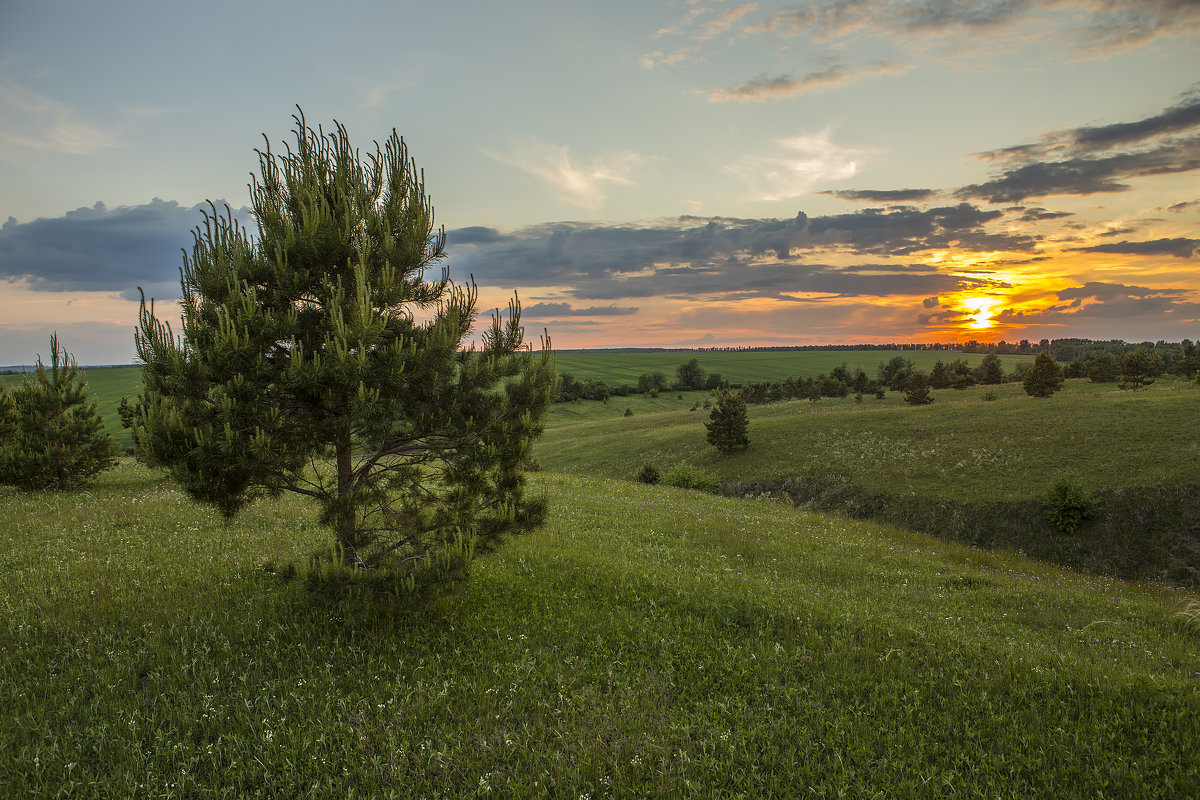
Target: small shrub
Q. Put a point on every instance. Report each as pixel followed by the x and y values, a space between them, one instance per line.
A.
pixel 684 476
pixel 648 474
pixel 989 396
pixel 708 403
pixel 628 412
pixel 1067 503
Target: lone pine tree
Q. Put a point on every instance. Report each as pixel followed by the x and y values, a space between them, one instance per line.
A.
pixel 50 434
pixel 1044 378
pixel 317 358
pixel 728 425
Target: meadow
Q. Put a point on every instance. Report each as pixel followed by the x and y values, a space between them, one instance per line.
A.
pixel 972 466
pixel 647 640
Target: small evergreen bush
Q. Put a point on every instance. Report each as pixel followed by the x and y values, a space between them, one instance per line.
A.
pixel 1067 503
pixel 685 476
pixel 648 474
pixel 50 434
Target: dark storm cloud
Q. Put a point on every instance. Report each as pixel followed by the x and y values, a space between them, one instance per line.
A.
pixel 884 195
pixel 1180 248
pixel 102 249
pixel 540 310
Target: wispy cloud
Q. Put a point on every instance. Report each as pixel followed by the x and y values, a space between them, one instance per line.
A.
pixel 723 21
pixel 764 87
pixel 583 184
pixel 31 122
pixel 797 166
pixel 1098 28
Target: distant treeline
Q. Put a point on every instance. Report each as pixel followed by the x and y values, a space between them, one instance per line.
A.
pixel 1099 361
pixel 1063 350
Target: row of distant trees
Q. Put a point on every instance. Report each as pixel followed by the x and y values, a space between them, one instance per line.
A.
pixel 1099 361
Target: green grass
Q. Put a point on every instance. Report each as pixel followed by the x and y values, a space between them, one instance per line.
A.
pixel 623 367
pixel 961 447
pixel 645 642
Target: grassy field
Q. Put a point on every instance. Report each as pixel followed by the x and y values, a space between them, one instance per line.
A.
pixel 646 642
pixel 959 447
pixel 616 367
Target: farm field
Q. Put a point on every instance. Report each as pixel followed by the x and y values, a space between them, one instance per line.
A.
pixel 647 641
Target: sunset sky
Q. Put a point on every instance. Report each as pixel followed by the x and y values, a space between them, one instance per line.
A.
pixel 644 174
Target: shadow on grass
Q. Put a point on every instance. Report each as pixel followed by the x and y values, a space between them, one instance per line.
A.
pixel 1139 533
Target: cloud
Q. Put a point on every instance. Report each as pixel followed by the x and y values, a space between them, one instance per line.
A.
pixel 797 166
pixel 1099 309
pixel 884 195
pixel 1100 290
pixel 1095 159
pixel 659 59
pixel 554 310
pixel 31 123
pixel 1098 28
pixel 1039 214
pixel 577 183
pixel 764 87
pixel 1180 248
pixel 1090 139
pixel 731 258
pixel 102 249
pixel 1179 208
pixel 723 21
pixel 1086 175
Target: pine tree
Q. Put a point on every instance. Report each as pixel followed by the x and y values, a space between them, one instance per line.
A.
pixel 728 424
pixel 1044 378
pixel 50 434
pixel 1139 367
pixel 916 390
pixel 990 371
pixel 317 358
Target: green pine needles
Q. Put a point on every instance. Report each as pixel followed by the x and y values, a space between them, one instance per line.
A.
pixel 316 357
pixel 50 434
pixel 728 425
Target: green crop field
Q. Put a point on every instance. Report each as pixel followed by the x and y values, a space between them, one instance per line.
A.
pixel 647 641
pixel 616 367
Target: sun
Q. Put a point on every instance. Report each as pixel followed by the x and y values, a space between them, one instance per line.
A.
pixel 980 310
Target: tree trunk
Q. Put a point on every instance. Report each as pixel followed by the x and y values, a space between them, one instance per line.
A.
pixel 347 535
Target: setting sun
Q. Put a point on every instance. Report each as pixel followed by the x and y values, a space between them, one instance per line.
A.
pixel 980 309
